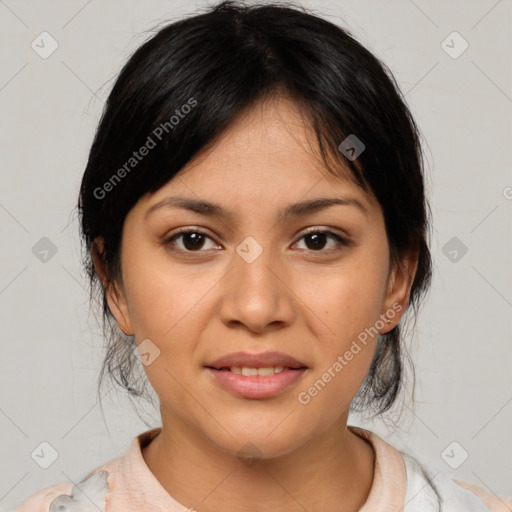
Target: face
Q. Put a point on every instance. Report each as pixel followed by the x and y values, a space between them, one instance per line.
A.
pixel 291 296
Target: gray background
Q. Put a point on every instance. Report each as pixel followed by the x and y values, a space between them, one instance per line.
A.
pixel 51 347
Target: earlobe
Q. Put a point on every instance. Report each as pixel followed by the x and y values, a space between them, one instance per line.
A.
pixel 115 297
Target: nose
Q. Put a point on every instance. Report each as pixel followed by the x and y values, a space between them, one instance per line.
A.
pixel 255 293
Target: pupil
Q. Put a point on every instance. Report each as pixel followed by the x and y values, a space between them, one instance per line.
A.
pixel 193 240
pixel 318 240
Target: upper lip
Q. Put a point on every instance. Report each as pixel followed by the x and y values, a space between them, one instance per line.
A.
pixel 261 360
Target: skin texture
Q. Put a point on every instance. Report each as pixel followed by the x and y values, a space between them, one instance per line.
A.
pixel 309 303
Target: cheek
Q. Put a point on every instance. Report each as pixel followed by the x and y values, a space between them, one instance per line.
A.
pixel 167 308
pixel 169 305
pixel 346 300
pixel 344 308
pixel 346 339
pixel 164 297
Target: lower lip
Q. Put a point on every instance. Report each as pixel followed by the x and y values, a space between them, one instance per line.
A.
pixel 257 386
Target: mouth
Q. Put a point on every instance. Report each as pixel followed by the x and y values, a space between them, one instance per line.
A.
pixel 256 376
pixel 247 363
pixel 248 371
pixel 256 383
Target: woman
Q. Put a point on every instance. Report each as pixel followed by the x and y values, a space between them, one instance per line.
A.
pixel 254 216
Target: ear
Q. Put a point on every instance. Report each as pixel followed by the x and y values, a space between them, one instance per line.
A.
pixel 399 288
pixel 115 296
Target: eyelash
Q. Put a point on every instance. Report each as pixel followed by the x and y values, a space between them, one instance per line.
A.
pixel 169 241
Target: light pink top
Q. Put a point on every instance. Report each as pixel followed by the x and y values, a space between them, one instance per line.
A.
pixel 126 484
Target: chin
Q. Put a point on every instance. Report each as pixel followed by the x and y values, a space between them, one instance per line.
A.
pixel 254 440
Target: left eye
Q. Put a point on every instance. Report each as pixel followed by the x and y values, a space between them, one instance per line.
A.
pixel 317 239
pixel 194 240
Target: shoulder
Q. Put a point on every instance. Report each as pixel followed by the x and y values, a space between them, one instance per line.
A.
pixel 41 500
pixel 427 488
pixel 493 502
pixel 114 483
pixel 90 494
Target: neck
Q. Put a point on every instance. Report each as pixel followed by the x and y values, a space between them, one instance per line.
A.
pixel 333 472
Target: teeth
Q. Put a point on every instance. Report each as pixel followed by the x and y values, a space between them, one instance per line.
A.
pixel 269 370
pixel 266 371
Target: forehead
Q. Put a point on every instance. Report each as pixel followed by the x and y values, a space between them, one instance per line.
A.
pixel 272 136
pixel 268 156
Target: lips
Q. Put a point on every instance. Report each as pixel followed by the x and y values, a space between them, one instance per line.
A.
pixel 262 360
pixel 256 376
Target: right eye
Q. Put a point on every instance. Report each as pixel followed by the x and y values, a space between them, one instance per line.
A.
pixel 192 240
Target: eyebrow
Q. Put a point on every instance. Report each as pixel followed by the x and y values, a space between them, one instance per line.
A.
pixel 294 210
